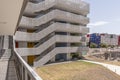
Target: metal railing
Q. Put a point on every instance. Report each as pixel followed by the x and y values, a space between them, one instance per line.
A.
pixel 24 71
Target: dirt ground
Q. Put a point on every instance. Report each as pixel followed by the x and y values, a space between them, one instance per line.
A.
pixel 77 70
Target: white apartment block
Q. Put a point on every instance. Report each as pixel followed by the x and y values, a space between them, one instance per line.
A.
pixel 51 30
pixel 109 39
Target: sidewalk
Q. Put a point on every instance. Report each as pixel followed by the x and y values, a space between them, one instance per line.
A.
pixel 3 69
pixel 113 68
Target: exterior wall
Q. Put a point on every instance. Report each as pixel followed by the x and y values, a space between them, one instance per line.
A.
pixel 22 44
pixel 6 42
pixel 109 39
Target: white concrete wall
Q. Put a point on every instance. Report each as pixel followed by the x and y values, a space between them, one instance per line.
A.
pixel 106 39
pixel 6 42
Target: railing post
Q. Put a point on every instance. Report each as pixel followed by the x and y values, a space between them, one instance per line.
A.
pixel 23 73
pixel 26 76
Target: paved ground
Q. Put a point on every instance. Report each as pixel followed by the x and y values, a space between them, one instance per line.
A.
pixel 7 68
pixel 113 68
pixel 11 71
pixel 93 58
pixel 3 69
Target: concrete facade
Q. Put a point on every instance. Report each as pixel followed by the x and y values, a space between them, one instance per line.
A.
pixel 109 39
pixel 51 28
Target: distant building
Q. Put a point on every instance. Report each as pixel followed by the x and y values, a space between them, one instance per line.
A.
pixel 104 38
pixel 95 38
pixel 109 39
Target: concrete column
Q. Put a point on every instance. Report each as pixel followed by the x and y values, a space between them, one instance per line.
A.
pixel 6 42
pixel 68 45
pixel 26 75
pixel 68 56
pixel 53 59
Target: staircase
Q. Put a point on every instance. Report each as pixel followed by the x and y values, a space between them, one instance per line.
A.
pixel 44 59
pixel 47 44
pixel 50 17
pixel 24 36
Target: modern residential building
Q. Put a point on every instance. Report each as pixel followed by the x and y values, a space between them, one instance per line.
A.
pixel 51 30
pixel 95 38
pixel 109 39
pixel 103 38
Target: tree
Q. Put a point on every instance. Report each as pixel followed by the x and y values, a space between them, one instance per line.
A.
pixel 102 45
pixel 93 45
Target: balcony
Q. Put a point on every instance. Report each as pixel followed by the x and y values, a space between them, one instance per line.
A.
pixel 24 36
pixel 78 7
pixel 54 15
pixel 38 50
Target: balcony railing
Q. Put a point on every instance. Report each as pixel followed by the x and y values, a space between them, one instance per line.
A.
pixel 25 72
pixel 76 6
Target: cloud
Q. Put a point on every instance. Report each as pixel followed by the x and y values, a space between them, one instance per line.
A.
pixel 99 23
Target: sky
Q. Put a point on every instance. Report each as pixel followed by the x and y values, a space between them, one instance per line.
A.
pixel 104 16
